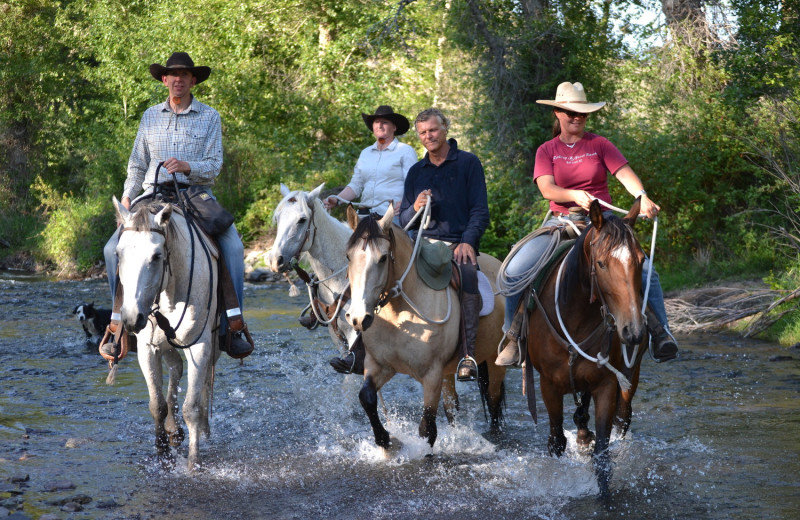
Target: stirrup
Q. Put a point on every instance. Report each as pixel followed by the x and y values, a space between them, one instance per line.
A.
pixel 462 364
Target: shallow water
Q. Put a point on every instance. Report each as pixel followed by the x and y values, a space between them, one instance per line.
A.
pixel 714 434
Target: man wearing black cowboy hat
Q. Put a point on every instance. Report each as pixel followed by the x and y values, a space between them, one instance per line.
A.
pixel 186 136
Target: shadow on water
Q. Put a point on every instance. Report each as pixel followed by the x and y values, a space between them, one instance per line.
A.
pixel 713 434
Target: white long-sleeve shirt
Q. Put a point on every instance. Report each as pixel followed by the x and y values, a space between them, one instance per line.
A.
pixel 379 175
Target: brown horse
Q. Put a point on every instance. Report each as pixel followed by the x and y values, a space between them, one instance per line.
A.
pixel 577 330
pixel 415 331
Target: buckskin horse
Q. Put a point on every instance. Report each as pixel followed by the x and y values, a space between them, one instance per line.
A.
pixel 168 272
pixel 415 330
pixel 306 230
pixel 586 333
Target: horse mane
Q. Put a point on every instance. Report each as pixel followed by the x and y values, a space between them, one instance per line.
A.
pixel 140 220
pixel 614 233
pixel 368 229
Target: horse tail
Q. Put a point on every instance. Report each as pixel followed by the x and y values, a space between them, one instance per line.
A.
pixel 497 418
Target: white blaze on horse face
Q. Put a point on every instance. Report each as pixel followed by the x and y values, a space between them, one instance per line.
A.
pixel 367 278
pixel 141 266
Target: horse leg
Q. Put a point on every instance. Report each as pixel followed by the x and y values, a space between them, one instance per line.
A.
pixel 494 387
pixel 449 399
pixel 622 419
pixel 605 401
pixel 554 402
pixel 194 411
pixel 175 368
pixel 150 362
pixel 369 401
pixel 581 418
pixel 432 391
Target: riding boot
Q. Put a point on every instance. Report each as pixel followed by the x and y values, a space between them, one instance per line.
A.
pixel 470 307
pixel 353 362
pixel 664 346
pixel 238 344
pixel 509 356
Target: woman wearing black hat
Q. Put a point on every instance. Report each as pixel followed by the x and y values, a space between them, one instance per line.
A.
pixel 380 173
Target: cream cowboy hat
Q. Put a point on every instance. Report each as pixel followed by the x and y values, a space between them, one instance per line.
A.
pixel 571 96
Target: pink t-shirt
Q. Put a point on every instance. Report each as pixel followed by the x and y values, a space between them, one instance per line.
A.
pixel 584 167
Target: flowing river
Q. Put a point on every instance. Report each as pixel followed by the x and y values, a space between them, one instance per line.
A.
pixel 715 434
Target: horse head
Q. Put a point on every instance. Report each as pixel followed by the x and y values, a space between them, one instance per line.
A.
pixel 369 256
pixel 615 261
pixel 143 257
pixel 294 217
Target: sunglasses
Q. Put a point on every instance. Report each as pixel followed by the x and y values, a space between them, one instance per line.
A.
pixel 570 114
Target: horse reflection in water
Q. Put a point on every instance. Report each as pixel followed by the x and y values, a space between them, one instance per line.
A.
pixel 599 298
pixel 398 339
pixel 166 269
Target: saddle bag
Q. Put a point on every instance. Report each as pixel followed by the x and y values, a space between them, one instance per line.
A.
pixel 206 211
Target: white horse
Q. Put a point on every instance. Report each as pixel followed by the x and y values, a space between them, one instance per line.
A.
pixel 157 251
pixel 304 228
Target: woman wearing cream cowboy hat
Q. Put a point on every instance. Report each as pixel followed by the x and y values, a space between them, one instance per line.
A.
pixel 571 170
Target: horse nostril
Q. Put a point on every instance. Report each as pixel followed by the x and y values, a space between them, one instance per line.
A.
pixel 367 321
pixel 280 261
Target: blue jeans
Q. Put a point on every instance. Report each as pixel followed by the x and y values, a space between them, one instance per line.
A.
pixel 531 252
pixel 232 252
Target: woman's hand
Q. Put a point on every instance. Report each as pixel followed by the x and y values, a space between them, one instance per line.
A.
pixel 330 202
pixel 649 208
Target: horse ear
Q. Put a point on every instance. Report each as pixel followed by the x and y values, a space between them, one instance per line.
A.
pixel 633 214
pixel 386 221
pixel 314 194
pixel 596 214
pixel 352 217
pixel 285 190
pixel 122 212
pixel 163 216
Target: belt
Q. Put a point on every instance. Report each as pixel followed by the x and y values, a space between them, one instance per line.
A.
pixel 577 213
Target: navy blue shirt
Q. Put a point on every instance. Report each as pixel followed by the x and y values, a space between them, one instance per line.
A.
pixel 459 209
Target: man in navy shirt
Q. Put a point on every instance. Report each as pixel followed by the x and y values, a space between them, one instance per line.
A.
pixel 453 179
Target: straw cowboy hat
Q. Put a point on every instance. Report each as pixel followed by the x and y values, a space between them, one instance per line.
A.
pixel 386 112
pixel 571 96
pixel 180 60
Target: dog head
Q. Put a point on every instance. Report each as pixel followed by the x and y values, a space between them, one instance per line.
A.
pixel 84 311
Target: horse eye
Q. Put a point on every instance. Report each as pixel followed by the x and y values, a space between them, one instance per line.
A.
pixel 157 257
pixel 303 220
pixel 600 264
pixel 383 259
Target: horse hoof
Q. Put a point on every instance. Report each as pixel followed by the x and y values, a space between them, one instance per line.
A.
pixel 176 438
pixel 393 447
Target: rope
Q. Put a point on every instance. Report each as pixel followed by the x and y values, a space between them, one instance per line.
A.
pixel 360 204
pixel 600 360
pixel 398 286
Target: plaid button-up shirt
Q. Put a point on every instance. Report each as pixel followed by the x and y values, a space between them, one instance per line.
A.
pixel 194 136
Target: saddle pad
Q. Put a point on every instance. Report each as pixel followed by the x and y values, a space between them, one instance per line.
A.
pixel 487 294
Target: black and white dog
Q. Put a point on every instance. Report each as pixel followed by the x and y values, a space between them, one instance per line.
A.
pixel 94 322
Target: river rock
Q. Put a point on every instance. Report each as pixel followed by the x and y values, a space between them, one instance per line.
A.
pixel 4 512
pixel 18 516
pixel 16 479
pixel 72 507
pixel 49 516
pixel 74 443
pixel 59 485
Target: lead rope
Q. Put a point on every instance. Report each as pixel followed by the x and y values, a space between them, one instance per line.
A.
pixel 398 286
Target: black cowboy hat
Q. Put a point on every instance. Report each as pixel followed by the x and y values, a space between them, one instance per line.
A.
pixel 386 112
pixel 180 60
